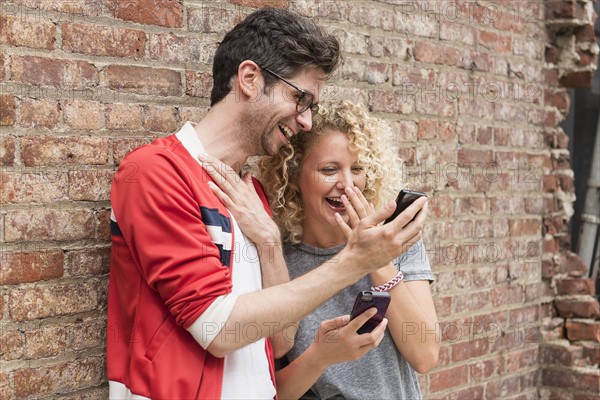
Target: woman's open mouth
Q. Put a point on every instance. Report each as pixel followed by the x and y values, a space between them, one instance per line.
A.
pixel 336 204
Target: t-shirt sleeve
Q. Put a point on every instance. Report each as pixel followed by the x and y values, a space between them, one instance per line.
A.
pixel 161 222
pixel 414 264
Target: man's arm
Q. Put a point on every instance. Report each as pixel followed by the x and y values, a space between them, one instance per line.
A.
pixel 272 309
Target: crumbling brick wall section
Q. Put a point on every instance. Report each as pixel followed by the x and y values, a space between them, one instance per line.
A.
pixel 570 350
pixel 475 91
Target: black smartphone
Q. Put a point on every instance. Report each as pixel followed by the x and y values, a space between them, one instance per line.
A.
pixel 405 198
pixel 364 301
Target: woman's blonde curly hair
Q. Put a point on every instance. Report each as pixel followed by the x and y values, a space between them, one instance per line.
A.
pixel 369 136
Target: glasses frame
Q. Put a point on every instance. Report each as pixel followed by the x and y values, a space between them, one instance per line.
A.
pixel 314 107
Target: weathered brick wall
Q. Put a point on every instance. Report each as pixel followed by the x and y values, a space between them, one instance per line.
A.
pixel 471 88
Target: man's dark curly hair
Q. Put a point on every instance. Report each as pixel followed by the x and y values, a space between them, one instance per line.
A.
pixel 280 40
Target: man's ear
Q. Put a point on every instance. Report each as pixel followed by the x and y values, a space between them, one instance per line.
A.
pixel 250 79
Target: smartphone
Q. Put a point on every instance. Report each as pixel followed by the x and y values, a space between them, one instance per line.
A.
pixel 364 301
pixel 405 198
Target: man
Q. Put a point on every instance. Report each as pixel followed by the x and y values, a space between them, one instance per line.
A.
pixel 191 297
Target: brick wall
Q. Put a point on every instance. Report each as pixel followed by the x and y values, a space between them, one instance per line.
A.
pixel 473 90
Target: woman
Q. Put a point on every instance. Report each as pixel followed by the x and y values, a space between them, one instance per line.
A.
pixel 320 187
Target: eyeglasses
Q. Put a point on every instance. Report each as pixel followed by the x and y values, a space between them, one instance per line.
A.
pixel 304 101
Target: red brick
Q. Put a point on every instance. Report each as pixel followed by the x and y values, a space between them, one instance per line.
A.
pixel 88 334
pixel 90 185
pixel 495 41
pixel 360 15
pixel 436 54
pixel 103 40
pixel 167 13
pixel 210 19
pixel 566 9
pixel 8 115
pixel 39 113
pixel 50 150
pixel 169 47
pixel 481 370
pixel 142 80
pixel 2 69
pixel 27 32
pixel 24 267
pixel 123 117
pixel 576 286
pixel 440 206
pixel 577 79
pixel 58 378
pixel 63 74
pixel 1 305
pixel 379 46
pixel 103 222
pixel 468 156
pixel 427 129
pixel 92 261
pixel 559 99
pixel 559 353
pixel 198 84
pixel 443 306
pixel 404 131
pixel 550 183
pixel 583 330
pixel 473 302
pixel 84 115
pixel 363 71
pixel 581 307
pixel 5 385
pixel 48 224
pixel 590 353
pixel 566 183
pixel 11 345
pixel 585 34
pixel 45 342
pixel 83 8
pixel 52 301
pixel 525 315
pixel 32 186
pixel 160 119
pixel 507 295
pixel 391 101
pixel 502 387
pixel 572 264
pixel 261 3
pixel 524 227
pixel 447 378
pixel 469 350
pixel 122 147
pixel 457 32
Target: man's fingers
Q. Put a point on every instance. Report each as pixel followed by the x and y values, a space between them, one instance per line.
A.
pixel 217 167
pixel 225 199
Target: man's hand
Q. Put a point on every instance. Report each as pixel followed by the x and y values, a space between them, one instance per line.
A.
pixel 240 197
pixel 372 245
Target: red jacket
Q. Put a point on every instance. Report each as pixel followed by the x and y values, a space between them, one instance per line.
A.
pixel 165 271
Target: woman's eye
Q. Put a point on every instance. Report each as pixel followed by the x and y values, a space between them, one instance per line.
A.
pixel 358 169
pixel 328 170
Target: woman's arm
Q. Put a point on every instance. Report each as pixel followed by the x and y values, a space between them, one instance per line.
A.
pixel 412 318
pixel 413 321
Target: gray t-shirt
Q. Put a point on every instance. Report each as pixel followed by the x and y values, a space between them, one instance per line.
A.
pixel 382 373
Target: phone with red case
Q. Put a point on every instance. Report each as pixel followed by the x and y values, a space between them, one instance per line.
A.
pixel 364 301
